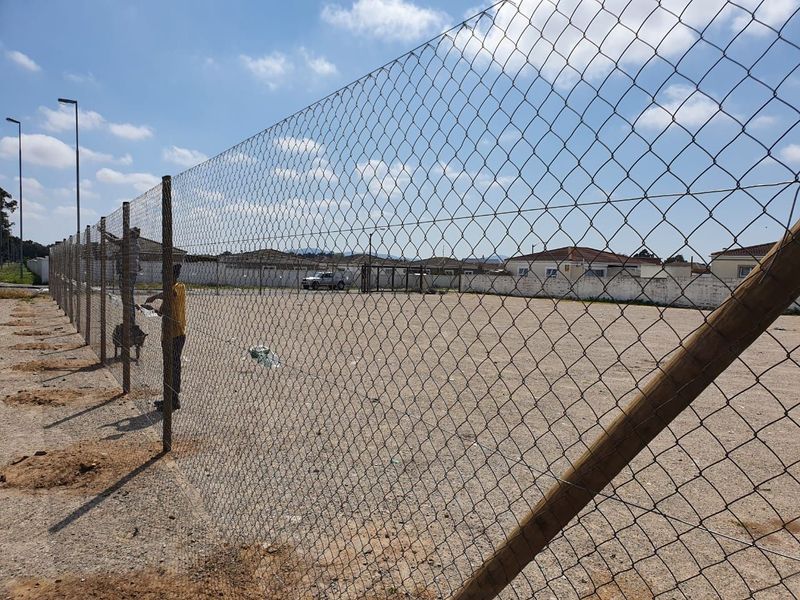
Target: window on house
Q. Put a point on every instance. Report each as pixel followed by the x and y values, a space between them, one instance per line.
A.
pixel 448 271
pixel 468 272
pixel 744 270
pixel 522 271
pixel 551 272
pixel 596 272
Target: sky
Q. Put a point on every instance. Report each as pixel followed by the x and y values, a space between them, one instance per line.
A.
pixel 536 126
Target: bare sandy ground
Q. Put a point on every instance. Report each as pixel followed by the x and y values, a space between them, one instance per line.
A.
pixel 84 492
pixel 404 436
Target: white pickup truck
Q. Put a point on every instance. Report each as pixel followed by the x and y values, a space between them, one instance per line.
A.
pixel 328 279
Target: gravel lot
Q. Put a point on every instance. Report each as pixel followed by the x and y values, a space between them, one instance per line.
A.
pixel 404 435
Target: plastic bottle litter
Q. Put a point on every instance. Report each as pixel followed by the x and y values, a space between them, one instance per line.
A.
pixel 265 357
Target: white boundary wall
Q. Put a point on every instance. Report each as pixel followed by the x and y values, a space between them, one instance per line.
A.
pixel 702 291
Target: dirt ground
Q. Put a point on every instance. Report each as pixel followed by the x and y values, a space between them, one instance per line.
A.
pixel 440 420
pixel 399 442
pixel 84 493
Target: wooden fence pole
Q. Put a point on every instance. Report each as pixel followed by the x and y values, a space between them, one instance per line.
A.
pixel 769 290
pixel 167 283
pixel 88 263
pixel 127 298
pixel 68 249
pixel 78 289
pixel 102 332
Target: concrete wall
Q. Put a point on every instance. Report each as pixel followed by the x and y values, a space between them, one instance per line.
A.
pixel 672 270
pixel 727 267
pixel 41 267
pixel 568 269
pixel 703 291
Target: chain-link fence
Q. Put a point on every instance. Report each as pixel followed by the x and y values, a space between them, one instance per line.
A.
pixel 500 315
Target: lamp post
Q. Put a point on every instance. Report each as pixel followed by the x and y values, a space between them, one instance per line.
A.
pixel 77 163
pixel 77 211
pixel 19 138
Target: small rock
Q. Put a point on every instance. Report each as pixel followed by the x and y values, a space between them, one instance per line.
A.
pixel 40 453
pixel 84 468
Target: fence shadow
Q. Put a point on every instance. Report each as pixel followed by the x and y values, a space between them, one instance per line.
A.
pixel 99 498
pixel 84 411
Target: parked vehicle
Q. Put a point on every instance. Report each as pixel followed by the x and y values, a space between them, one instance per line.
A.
pixel 328 279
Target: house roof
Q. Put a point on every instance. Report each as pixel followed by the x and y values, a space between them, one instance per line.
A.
pixel 584 254
pixel 756 251
pixel 440 262
pixel 148 247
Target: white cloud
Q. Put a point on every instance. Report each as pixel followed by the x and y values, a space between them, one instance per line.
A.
pixel 141 182
pixel 300 145
pixel 383 178
pixel 87 214
pixel 238 158
pixel 31 188
pixel 35 211
pixel 762 122
pixel 772 13
pixel 681 104
pixel 270 69
pixel 319 169
pixel 63 119
pixel 39 149
pixel 130 132
pixel 183 157
pixel 80 77
pixel 22 60
pixel 396 20
pixel 87 191
pixel 318 64
pixel 92 156
pixel 286 173
pixel 589 38
pixel 791 154
pixel 125 160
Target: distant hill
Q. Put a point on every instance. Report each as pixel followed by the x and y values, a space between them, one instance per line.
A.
pixel 493 258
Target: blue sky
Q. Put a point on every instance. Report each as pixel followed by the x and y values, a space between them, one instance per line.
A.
pixel 510 133
pixel 188 74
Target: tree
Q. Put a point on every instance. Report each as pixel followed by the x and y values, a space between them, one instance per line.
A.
pixel 7 206
pixel 673 259
pixel 644 253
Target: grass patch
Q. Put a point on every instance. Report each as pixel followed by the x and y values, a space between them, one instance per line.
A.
pixel 9 273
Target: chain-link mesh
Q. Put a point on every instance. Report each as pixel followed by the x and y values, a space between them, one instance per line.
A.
pixel 413 306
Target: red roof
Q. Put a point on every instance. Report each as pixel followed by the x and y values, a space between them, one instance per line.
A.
pixel 583 254
pixel 757 251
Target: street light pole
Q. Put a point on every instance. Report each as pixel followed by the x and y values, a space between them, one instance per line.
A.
pixel 19 139
pixel 78 213
pixel 77 163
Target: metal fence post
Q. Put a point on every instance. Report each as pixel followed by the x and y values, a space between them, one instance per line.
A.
pixel 102 332
pixel 88 264
pixel 127 297
pixel 167 282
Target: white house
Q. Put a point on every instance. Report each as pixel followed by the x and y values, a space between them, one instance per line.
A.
pixel 736 263
pixel 573 262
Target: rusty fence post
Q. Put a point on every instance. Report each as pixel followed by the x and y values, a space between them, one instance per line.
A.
pixel 68 272
pixel 78 290
pixel 127 297
pixel 87 253
pixel 167 322
pixel 102 331
pixel 769 290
